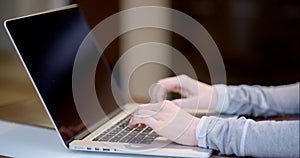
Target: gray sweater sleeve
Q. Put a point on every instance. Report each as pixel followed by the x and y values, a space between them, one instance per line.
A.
pixel 245 137
pixel 258 100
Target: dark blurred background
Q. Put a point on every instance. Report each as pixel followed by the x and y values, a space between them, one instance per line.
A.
pixel 259 40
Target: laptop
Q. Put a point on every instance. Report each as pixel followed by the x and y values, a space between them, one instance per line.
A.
pixel 47 44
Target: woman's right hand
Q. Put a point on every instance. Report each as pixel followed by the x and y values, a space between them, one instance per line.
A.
pixel 197 95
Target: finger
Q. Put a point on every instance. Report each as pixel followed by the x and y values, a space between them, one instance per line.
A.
pixel 157 93
pixel 181 84
pixel 143 125
pixel 171 84
pixel 149 121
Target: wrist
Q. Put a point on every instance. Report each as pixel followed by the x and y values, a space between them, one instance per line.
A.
pixel 194 129
pixel 220 97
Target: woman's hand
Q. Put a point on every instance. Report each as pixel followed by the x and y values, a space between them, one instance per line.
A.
pixel 167 120
pixel 198 95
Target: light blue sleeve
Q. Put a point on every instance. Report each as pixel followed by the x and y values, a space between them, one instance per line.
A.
pixel 258 100
pixel 245 137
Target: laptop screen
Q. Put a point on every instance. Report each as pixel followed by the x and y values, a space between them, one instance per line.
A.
pixel 47 44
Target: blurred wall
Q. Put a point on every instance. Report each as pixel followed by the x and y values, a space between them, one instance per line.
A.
pixel 15 8
pixel 141 78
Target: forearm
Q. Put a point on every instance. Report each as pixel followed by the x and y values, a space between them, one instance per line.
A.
pixel 258 100
pixel 244 137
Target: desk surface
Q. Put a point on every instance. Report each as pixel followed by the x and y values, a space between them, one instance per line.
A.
pixel 19 140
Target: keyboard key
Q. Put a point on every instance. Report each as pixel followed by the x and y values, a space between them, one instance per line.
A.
pixel 147 141
pixel 104 139
pixel 135 141
pixel 125 140
pixel 122 133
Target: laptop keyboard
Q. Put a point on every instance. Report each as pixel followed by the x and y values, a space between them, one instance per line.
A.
pixel 120 132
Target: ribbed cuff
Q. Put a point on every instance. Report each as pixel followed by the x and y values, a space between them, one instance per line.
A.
pixel 222 98
pixel 201 131
pixel 243 139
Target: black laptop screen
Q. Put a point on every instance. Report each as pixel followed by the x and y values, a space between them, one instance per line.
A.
pixel 47 44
